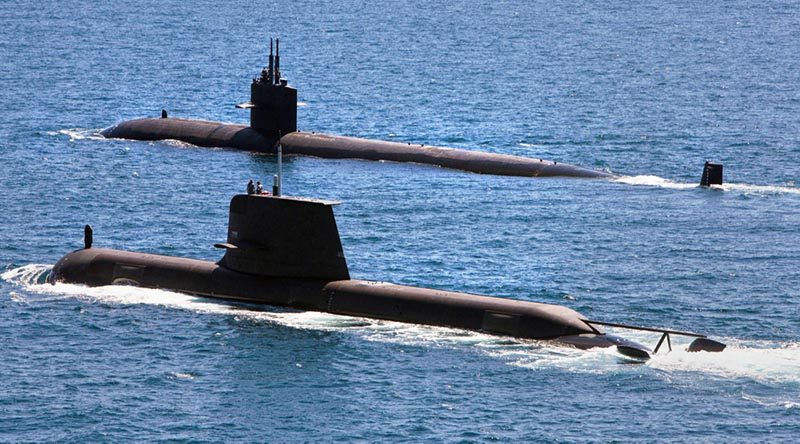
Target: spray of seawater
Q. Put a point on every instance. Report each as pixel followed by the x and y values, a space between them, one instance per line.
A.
pixel 766 362
pixel 654 181
pixel 75 134
pixel 78 134
pixel 774 363
pixel 746 189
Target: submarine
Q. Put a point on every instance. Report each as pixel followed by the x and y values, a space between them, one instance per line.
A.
pixel 286 251
pixel 273 121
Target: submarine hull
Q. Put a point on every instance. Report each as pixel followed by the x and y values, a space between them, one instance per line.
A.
pixel 216 134
pixel 197 132
pixel 341 147
pixel 377 300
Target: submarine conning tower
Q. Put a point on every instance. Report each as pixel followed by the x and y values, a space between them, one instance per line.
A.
pixel 273 103
pixel 283 237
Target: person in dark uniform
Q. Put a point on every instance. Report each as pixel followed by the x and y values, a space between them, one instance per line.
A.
pixel 251 189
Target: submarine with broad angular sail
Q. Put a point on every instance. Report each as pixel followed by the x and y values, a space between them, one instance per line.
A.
pixel 286 251
pixel 273 119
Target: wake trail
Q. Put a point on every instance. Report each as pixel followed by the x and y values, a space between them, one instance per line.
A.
pixel 773 363
pixel 660 182
pixel 76 134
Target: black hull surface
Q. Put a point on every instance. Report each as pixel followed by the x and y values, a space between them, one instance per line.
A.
pixel 216 134
pixel 377 300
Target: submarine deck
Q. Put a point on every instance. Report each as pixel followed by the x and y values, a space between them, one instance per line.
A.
pixel 216 134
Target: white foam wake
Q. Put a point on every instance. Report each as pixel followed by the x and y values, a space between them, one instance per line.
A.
pixel 79 134
pixel 33 279
pixel 762 361
pixel 660 182
pixel 769 363
pixel 654 181
pixel 758 189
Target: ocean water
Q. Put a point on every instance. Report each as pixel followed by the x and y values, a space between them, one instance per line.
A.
pixel 646 90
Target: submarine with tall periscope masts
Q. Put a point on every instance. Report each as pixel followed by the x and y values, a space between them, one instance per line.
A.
pixel 273 119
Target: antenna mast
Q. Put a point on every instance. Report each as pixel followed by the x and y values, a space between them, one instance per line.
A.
pixel 277 61
pixel 271 59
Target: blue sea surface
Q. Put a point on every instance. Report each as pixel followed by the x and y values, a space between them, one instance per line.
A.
pixel 647 90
